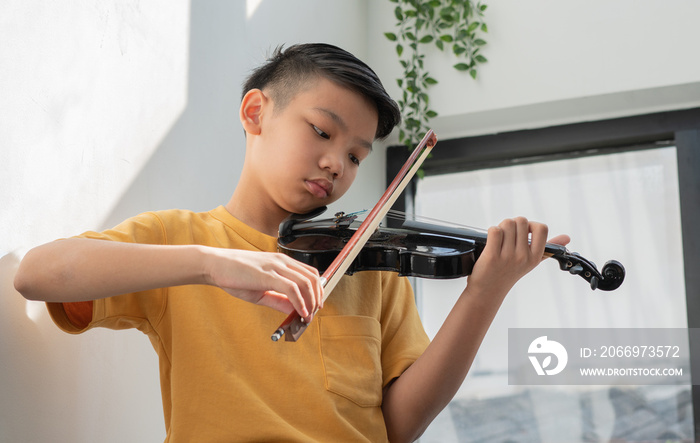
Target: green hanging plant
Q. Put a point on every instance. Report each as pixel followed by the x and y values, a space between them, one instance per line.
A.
pixel 455 25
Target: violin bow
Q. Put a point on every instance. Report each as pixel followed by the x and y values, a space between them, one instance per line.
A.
pixel 293 326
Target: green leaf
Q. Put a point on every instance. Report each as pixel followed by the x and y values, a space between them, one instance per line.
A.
pixel 440 44
pixel 481 59
pixel 473 27
pixel 426 39
pixel 473 73
pixel 446 38
pixel 479 42
pixel 457 49
pixel 461 66
pixel 391 36
pixel 446 13
pixel 399 50
pixel 411 36
pixel 431 114
pixel 483 7
pixel 410 13
pixel 398 13
pixel 484 28
pixel 431 81
pixel 399 81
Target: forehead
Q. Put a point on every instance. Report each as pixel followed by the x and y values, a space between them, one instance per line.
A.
pixel 321 95
pixel 313 88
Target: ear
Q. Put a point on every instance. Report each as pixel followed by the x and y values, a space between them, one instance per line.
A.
pixel 251 111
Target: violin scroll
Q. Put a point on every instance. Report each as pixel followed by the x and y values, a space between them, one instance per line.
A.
pixel 609 278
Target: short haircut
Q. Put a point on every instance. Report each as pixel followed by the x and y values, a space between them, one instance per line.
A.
pixel 287 71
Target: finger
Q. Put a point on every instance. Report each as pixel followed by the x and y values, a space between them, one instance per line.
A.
pixel 560 240
pixel 522 235
pixel 317 292
pixel 276 300
pixel 494 241
pixel 309 280
pixel 538 239
pixel 270 299
pixel 293 291
pixel 299 282
pixel 509 236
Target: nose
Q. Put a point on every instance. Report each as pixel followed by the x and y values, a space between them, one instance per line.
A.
pixel 333 163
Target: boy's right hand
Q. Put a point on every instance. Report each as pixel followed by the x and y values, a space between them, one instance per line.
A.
pixel 265 278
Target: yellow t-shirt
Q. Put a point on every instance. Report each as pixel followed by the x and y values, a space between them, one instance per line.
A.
pixel 224 380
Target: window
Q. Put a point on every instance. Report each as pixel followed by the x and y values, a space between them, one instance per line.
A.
pixel 625 189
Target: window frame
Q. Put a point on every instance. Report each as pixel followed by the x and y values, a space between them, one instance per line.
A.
pixel 680 128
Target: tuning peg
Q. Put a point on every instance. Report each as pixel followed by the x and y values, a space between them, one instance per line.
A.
pixel 577 269
pixel 594 283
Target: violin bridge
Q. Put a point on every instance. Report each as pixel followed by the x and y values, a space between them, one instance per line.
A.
pixel 344 220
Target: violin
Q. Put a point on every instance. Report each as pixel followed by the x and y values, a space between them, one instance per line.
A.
pixel 417 249
pixel 338 246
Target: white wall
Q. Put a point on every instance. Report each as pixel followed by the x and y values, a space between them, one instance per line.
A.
pixel 108 109
pixel 554 62
pixel 114 107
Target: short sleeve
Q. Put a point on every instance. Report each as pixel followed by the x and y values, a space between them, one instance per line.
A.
pixel 135 310
pixel 403 336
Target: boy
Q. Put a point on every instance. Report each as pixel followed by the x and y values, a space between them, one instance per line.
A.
pixel 201 285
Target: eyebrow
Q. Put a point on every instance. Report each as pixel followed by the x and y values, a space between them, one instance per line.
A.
pixel 339 120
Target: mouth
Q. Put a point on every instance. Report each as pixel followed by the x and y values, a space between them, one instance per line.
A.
pixel 320 188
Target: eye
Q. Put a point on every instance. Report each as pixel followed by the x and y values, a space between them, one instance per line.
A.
pixel 321 133
pixel 354 159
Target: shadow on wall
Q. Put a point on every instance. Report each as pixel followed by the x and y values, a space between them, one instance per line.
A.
pixel 27 357
pixel 54 384
pixel 198 163
pixel 58 387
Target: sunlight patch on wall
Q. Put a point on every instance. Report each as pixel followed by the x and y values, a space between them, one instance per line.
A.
pixel 250 7
pixel 35 310
pixel 92 89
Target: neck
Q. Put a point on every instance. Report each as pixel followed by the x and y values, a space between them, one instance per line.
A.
pixel 252 206
pixel 256 214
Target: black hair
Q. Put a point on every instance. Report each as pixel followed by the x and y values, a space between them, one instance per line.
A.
pixel 287 71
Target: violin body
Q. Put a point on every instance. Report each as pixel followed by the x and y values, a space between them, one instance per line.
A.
pixel 417 249
pixel 407 252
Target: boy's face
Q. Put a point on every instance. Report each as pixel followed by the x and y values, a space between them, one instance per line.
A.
pixel 307 154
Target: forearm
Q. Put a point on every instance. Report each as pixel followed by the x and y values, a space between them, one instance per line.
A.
pixel 85 269
pixel 420 393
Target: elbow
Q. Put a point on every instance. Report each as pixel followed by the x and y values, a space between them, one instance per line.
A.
pixel 407 438
pixel 28 278
pixel 23 284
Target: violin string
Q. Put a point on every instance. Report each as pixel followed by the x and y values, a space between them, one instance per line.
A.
pixel 401 215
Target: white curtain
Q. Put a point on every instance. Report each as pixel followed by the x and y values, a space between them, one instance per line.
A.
pixel 622 206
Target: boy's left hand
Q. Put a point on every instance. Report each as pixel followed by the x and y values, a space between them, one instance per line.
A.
pixel 513 248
